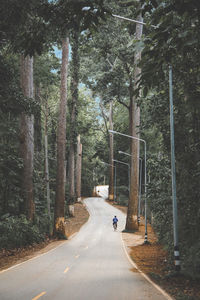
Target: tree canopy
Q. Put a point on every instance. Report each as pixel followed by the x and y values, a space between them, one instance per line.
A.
pixel 102 71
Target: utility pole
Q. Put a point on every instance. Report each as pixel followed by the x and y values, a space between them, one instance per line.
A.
pixel 111 167
pixel 173 171
pixel 78 169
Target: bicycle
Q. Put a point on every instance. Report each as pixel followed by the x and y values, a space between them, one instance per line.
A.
pixel 115 226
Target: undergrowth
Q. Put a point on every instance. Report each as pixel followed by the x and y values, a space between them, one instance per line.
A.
pixel 17 231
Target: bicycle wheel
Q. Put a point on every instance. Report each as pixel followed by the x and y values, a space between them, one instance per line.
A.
pixel 115 226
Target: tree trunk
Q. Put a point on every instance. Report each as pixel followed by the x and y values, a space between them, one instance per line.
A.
pixel 71 165
pixel 71 172
pixel 47 160
pixel 27 139
pixel 111 167
pixel 37 123
pixel 78 169
pixel 59 211
pixel 73 125
pixel 131 221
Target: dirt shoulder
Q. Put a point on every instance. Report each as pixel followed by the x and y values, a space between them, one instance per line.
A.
pixel 154 261
pixel 73 225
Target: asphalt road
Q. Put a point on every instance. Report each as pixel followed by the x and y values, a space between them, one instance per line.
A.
pixel 91 266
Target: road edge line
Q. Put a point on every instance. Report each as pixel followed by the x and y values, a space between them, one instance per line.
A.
pixel 72 236
pixel 23 262
pixel 143 274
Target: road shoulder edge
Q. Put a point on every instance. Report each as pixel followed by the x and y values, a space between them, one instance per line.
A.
pixel 62 242
pixel 143 274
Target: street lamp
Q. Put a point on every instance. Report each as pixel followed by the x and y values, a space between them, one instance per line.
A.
pixel 134 21
pixel 173 171
pixel 145 177
pixel 140 185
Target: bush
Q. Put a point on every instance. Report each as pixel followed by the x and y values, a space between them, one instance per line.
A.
pixel 18 232
pixel 191 259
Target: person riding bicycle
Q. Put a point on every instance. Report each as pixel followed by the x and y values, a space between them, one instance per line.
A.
pixel 115 220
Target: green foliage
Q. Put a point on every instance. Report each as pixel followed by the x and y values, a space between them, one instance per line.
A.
pixel 33 26
pixel 159 198
pixel 122 195
pixel 95 147
pixel 30 28
pixel 191 260
pixel 70 199
pixel 24 25
pixel 45 70
pixel 175 41
pixel 11 97
pixel 18 232
pixel 12 104
pixel 107 60
pixel 39 185
pixel 107 69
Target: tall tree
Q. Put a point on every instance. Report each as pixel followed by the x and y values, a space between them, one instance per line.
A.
pixel 46 113
pixel 37 120
pixel 27 138
pixel 59 211
pixel 134 121
pixel 75 68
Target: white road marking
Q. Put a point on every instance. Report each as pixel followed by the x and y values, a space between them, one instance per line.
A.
pixel 38 296
pixel 66 270
pixel 144 275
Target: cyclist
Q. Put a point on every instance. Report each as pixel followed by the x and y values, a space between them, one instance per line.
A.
pixel 115 220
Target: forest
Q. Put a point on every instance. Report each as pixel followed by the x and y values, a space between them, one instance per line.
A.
pixel 70 72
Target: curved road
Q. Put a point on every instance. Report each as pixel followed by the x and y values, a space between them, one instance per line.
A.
pixel 90 266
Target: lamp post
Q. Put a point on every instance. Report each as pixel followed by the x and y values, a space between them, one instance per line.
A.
pixel 140 185
pixel 140 192
pixel 173 171
pixel 145 177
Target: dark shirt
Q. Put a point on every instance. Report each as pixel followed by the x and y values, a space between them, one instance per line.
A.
pixel 115 220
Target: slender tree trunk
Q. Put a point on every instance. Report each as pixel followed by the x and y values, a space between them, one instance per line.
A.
pixel 71 165
pixel 47 160
pixel 131 221
pixel 71 172
pixel 59 211
pixel 78 169
pixel 74 93
pixel 27 139
pixel 111 167
pixel 37 123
